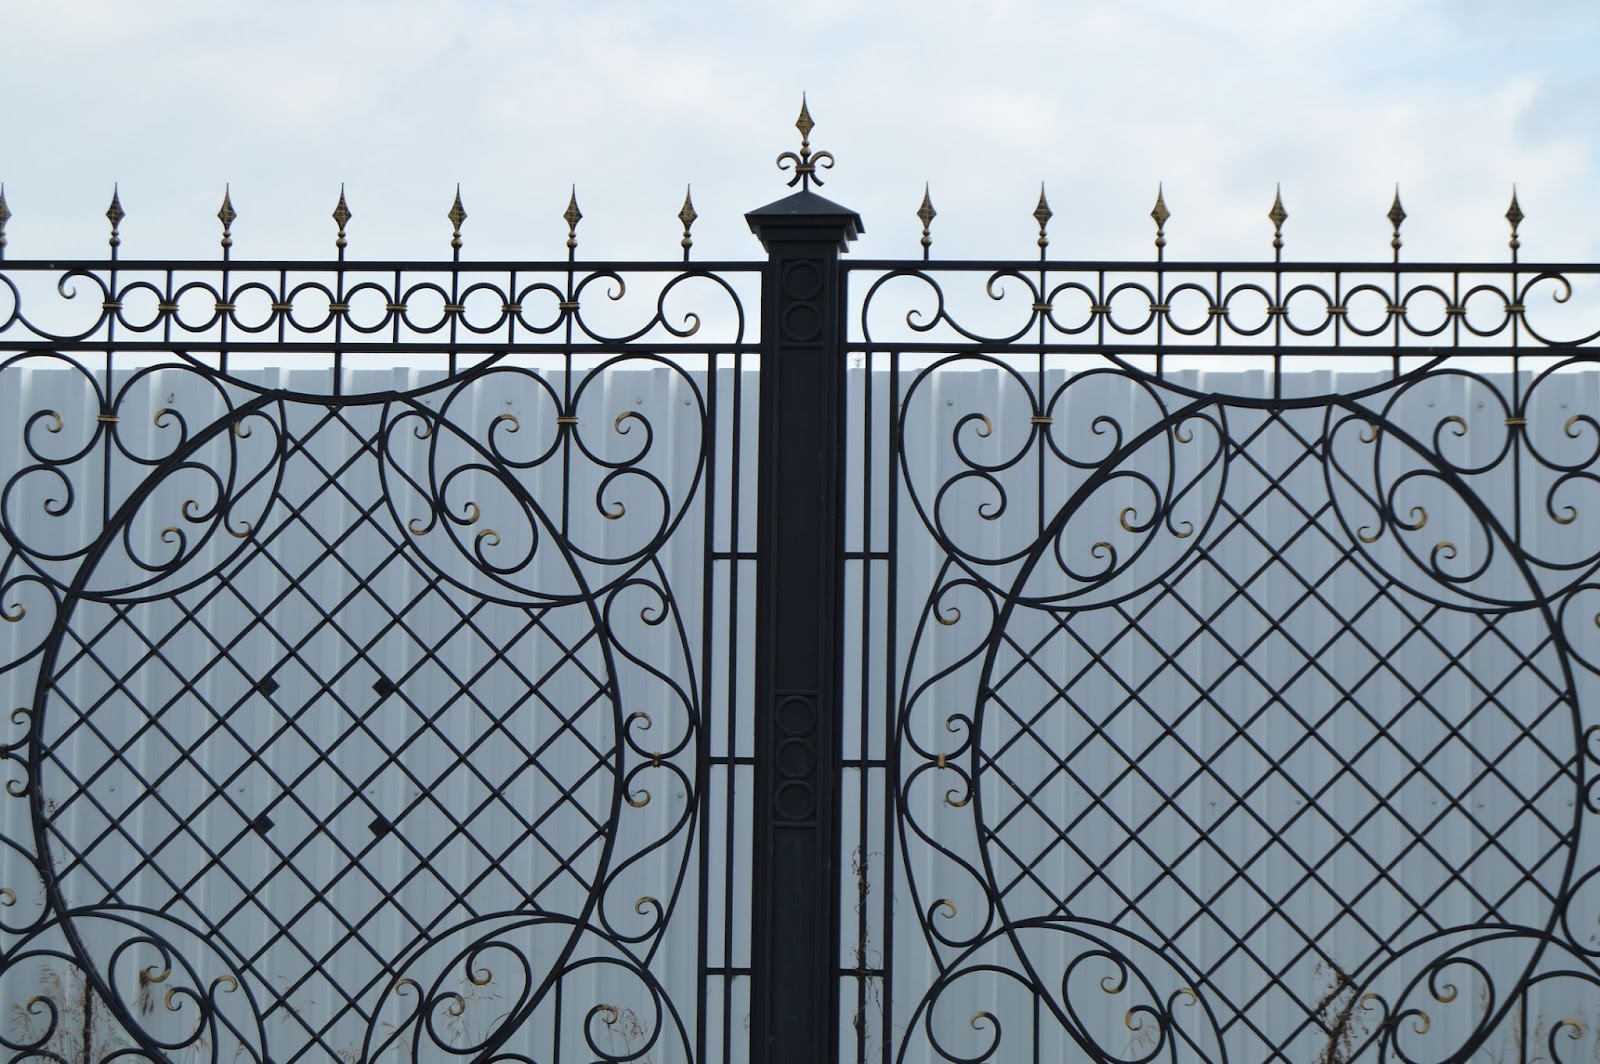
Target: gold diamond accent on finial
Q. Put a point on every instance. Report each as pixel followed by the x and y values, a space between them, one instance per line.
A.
pixel 927 214
pixel 341 217
pixel 1397 214
pixel 1042 213
pixel 226 215
pixel 1514 215
pixel 341 212
pixel 1160 213
pixel 1277 216
pixel 805 162
pixel 572 215
pixel 687 215
pixel 115 214
pixel 457 215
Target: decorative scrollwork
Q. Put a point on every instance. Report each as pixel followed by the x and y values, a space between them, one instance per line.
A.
pixel 1212 568
pixel 1179 308
pixel 544 474
pixel 459 304
pixel 1105 993
pixel 495 986
pixel 109 977
pixel 364 636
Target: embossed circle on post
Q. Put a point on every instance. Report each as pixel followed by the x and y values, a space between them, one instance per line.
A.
pixel 802 280
pixel 797 715
pixel 802 322
pixel 796 800
pixel 797 758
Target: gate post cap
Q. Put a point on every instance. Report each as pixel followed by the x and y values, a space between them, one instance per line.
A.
pixel 802 211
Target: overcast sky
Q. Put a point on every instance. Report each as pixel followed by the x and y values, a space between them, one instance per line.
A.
pixel 519 99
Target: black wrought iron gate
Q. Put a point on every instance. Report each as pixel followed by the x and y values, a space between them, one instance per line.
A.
pixel 798 660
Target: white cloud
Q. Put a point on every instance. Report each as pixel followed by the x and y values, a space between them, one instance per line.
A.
pixel 631 101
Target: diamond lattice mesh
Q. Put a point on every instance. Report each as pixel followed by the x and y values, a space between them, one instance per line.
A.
pixel 1276 764
pixel 323 752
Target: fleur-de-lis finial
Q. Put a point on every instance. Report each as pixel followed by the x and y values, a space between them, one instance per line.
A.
pixel 1514 215
pixel 1042 214
pixel 5 213
pixel 687 216
pixel 805 164
pixel 572 215
pixel 1397 214
pixel 457 215
pixel 927 214
pixel 341 218
pixel 1278 216
pixel 226 215
pixel 115 214
pixel 1160 213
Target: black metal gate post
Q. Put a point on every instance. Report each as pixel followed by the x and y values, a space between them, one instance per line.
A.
pixel 798 679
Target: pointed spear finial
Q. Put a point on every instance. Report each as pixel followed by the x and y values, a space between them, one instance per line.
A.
pixel 341 217
pixel 5 213
pixel 927 214
pixel 457 215
pixel 1160 213
pixel 805 163
pixel 572 216
pixel 226 215
pixel 1042 214
pixel 115 214
pixel 1514 215
pixel 1397 214
pixel 687 216
pixel 1278 216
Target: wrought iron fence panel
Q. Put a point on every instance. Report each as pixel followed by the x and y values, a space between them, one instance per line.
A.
pixel 372 682
pixel 1224 702
pixel 799 660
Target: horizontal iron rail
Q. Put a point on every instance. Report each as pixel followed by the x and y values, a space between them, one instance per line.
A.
pixel 179 347
pixel 1210 266
pixel 756 266
pixel 1263 349
pixel 387 265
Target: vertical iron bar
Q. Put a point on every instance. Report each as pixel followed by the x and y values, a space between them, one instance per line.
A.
pixel 891 699
pixel 703 770
pixel 864 709
pixel 799 594
pixel 736 524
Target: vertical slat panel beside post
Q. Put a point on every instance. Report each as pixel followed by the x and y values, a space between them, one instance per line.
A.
pixel 798 681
